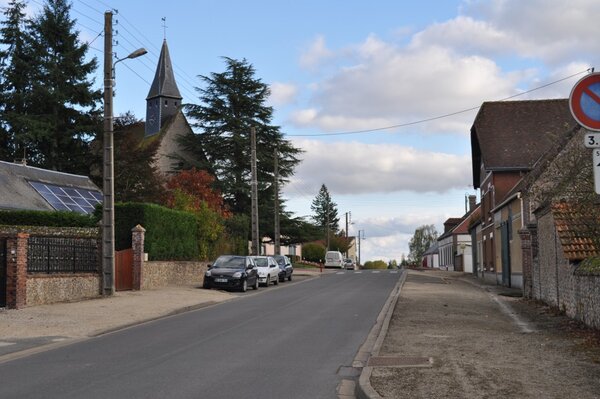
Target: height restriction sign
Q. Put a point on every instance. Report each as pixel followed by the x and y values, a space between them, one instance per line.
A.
pixel 584 101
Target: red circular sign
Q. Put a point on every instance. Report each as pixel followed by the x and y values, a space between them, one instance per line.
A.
pixel 584 101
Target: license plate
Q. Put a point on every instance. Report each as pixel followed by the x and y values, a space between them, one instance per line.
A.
pixel 220 280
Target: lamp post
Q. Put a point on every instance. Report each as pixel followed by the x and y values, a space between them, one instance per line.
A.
pixel 108 187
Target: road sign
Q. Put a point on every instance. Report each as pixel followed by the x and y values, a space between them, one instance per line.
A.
pixel 584 101
pixel 591 140
pixel 597 171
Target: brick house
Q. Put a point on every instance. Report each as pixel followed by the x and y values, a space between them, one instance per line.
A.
pixel 507 138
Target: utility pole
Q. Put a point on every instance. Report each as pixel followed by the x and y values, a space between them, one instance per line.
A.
pixel 108 185
pixel 276 216
pixel 348 220
pixel 359 232
pixel 254 194
pixel 327 230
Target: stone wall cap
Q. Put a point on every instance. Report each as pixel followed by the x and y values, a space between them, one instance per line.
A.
pixel 138 228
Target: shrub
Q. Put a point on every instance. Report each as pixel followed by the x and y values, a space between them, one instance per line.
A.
pixel 170 234
pixel 313 252
pixel 47 218
pixel 375 264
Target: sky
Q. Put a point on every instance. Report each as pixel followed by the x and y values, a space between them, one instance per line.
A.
pixel 380 95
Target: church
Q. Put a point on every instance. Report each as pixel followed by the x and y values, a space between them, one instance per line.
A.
pixel 165 120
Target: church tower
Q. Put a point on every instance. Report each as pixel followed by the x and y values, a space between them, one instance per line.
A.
pixel 163 99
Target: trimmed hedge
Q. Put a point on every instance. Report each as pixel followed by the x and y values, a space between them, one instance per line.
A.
pixel 170 234
pixel 375 264
pixel 47 218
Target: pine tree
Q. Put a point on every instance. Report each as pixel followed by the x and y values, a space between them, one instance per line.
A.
pixel 325 211
pixel 67 117
pixel 15 81
pixel 231 103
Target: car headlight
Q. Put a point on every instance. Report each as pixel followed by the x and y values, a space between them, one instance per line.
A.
pixel 207 273
pixel 237 274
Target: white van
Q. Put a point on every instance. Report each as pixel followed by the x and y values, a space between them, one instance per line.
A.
pixel 334 259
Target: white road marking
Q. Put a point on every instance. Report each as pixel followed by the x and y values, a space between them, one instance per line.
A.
pixel 376 271
pixel 6 343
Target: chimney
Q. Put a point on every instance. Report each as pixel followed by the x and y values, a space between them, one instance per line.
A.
pixel 472 202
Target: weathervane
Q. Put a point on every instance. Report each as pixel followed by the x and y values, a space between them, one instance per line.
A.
pixel 164 25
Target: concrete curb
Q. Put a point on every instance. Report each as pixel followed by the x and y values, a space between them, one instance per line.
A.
pixel 374 341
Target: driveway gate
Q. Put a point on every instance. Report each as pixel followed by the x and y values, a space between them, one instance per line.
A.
pixel 124 270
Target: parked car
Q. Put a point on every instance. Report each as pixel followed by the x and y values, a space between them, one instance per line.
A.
pixel 285 267
pixel 349 264
pixel 334 259
pixel 232 272
pixel 268 270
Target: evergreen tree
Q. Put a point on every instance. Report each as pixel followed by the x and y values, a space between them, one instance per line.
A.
pixel 325 211
pixel 66 115
pixel 15 81
pixel 231 103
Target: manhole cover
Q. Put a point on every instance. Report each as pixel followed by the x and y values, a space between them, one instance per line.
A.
pixel 400 361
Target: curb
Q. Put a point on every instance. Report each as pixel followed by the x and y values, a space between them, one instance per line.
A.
pixel 374 341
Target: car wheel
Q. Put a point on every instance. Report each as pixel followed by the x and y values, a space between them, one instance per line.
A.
pixel 276 282
pixel 290 278
pixel 244 286
pixel 255 286
pixel 206 286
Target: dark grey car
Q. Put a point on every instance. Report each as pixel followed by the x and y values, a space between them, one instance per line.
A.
pixel 285 267
pixel 232 272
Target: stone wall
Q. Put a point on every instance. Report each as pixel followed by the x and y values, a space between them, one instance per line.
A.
pixel 160 274
pixel 51 288
pixel 557 282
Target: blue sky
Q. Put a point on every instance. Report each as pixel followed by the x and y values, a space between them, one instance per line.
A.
pixel 339 66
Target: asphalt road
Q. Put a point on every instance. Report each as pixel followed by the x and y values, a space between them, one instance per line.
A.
pixel 290 341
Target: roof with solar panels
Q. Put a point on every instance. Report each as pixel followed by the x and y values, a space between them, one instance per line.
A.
pixel 24 187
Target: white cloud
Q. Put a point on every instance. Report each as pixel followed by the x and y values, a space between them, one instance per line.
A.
pixel 357 168
pixel 282 93
pixel 315 54
pixel 390 85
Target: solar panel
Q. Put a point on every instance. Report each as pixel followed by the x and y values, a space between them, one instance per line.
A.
pixel 68 198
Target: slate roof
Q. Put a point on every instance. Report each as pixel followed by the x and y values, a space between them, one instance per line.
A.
pixel 512 135
pixel 575 231
pixel 17 193
pixel 432 250
pixel 164 84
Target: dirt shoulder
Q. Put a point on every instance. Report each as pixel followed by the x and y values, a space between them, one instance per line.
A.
pixel 480 350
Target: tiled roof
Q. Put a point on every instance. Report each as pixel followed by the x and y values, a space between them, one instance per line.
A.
pixel 512 135
pixel 575 231
pixel 164 84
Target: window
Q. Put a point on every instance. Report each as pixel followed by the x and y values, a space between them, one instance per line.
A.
pixel 166 103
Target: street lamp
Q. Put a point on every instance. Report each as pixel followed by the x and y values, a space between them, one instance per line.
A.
pixel 108 188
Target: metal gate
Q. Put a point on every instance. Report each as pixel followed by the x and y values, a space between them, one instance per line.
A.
pixel 505 242
pixel 124 270
pixel 2 272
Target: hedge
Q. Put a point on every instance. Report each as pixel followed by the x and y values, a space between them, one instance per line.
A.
pixel 47 218
pixel 170 234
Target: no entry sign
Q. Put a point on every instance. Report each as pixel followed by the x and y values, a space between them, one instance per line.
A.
pixel 584 101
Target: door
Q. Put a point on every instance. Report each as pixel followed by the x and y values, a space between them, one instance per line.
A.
pixel 505 242
pixel 124 270
pixel 2 272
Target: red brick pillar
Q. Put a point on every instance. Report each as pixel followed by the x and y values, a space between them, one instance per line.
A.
pixel 16 271
pixel 137 244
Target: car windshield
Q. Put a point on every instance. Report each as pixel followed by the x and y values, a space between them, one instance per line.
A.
pixel 261 262
pixel 280 260
pixel 230 262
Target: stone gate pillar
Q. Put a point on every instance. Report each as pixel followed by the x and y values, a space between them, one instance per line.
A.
pixel 16 271
pixel 137 244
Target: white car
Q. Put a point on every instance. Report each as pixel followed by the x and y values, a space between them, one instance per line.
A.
pixel 268 270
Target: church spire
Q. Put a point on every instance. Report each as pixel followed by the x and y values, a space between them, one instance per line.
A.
pixel 163 99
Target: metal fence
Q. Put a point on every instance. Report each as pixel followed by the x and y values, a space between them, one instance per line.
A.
pixel 63 255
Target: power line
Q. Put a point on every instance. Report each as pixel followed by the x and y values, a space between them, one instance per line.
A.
pixel 417 122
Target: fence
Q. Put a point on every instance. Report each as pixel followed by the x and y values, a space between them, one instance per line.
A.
pixel 62 255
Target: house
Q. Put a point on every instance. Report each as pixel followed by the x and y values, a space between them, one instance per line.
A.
pixel 507 138
pixel 454 245
pixel 24 187
pixel 431 257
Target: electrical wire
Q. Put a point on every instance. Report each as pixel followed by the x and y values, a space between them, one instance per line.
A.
pixel 420 121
